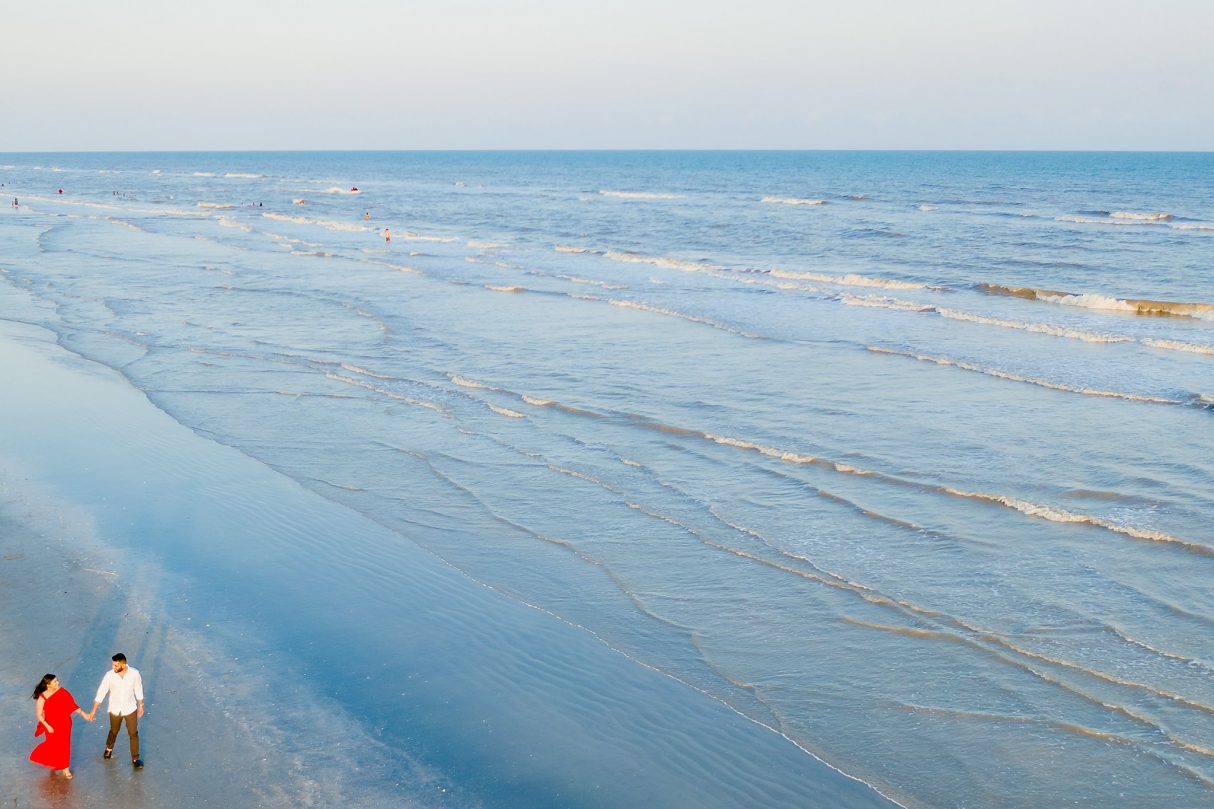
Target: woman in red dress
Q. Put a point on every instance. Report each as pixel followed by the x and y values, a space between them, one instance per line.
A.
pixel 54 707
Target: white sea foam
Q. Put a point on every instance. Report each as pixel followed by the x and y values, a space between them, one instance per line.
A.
pixel 473 244
pixel 493 288
pixel 591 282
pixel 336 190
pixel 1141 217
pixel 659 261
pixel 1089 301
pixel 410 236
pixel 328 224
pixel 1178 345
pixel 1201 227
pixel 204 174
pixel 239 175
pixel 793 201
pixel 385 392
pixel 637 195
pixel 1060 515
pixel 360 370
pixel 537 402
pixel 232 223
pixel 662 310
pixel 564 248
pixel 1045 383
pixel 504 411
pixel 215 205
pixel 465 382
pixel 850 279
pixel 926 208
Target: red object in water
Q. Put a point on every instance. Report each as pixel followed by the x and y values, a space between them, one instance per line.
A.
pixel 60 190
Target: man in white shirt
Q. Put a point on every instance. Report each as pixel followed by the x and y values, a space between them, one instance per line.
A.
pixel 125 687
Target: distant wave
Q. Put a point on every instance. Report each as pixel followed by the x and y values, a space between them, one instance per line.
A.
pixel 336 190
pixel 1203 311
pixel 662 310
pixel 1050 329
pixel 659 261
pixel 215 205
pixel 1045 383
pixel 410 236
pixel 465 382
pixel 793 201
pixel 494 288
pixel 851 279
pixel 391 394
pixel 239 175
pixel 564 248
pixel 926 207
pixel 204 174
pixel 1142 217
pixel 347 227
pixel 637 195
pixel 1136 218
pixel 504 411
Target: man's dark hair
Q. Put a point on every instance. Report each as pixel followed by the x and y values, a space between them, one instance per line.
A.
pixel 119 658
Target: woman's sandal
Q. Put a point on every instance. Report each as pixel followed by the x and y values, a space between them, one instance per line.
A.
pixel 68 774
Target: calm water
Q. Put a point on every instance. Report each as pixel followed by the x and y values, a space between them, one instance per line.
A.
pixel 904 455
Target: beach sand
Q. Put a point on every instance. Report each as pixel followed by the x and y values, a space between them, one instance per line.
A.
pixel 212 735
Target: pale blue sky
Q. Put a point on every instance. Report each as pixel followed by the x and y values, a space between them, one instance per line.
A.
pixel 385 74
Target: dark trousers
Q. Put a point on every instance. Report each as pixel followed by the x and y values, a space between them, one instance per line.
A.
pixel 132 730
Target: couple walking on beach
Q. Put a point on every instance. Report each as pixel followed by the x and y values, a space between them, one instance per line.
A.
pixel 54 707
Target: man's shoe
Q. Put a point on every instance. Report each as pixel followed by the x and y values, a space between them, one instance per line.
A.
pixel 108 754
pixel 137 764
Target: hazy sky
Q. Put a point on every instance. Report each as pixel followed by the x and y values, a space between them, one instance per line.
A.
pixel 401 74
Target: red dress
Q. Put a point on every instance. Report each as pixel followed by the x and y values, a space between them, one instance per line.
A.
pixel 56 751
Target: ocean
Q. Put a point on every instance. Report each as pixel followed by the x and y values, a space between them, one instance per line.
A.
pixel 741 467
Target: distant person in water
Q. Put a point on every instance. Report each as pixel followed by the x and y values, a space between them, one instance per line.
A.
pixel 15 202
pixel 54 706
pixel 125 688
pixel 60 190
pixel 367 216
pixel 387 235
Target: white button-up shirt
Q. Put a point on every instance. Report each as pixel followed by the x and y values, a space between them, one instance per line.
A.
pixel 125 690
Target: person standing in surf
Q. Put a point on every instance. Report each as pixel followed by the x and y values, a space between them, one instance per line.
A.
pixel 125 688
pixel 54 706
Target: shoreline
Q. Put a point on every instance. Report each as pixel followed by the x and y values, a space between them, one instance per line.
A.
pixel 219 579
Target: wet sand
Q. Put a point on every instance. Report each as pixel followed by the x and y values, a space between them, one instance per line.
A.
pixel 65 608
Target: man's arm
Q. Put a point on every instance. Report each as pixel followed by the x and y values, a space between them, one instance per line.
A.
pixel 139 693
pixel 102 690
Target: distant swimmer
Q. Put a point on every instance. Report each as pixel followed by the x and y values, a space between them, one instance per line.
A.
pixel 367 216
pixel 15 204
pixel 387 235
pixel 60 190
pixel 353 189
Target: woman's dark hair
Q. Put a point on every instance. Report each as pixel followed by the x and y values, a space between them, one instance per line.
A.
pixel 41 687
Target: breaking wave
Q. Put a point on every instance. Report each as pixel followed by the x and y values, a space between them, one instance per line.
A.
pixel 328 224
pixel 637 195
pixel 1087 300
pixel 793 201
pixel 1044 383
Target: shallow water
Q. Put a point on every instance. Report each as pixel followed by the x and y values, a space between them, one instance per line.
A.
pixel 879 450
